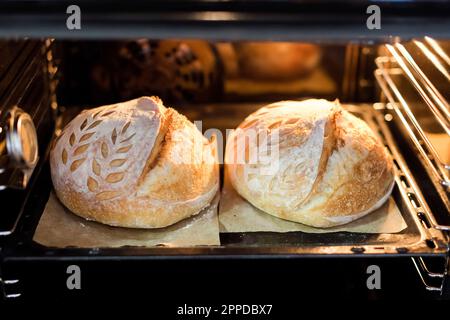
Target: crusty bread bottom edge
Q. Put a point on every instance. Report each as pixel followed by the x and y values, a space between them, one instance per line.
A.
pixel 151 218
pixel 325 222
pixel 341 220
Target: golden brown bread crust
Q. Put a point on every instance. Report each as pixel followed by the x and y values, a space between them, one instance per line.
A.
pixel 332 169
pixel 165 172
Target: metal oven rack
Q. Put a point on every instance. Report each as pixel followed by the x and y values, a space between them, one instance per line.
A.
pixel 409 90
pixel 421 66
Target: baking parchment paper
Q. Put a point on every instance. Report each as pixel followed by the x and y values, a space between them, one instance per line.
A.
pixel 59 227
pixel 238 215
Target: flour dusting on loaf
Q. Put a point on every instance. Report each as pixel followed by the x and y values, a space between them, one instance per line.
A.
pixel 331 168
pixel 134 164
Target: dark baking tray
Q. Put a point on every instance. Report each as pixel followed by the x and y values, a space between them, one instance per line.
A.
pixel 418 239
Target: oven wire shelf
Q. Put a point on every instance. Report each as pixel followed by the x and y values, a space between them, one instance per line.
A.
pixel 397 103
pixel 426 276
pixel 401 63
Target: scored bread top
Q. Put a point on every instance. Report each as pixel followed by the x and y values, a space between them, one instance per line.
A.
pixel 104 150
pixel 124 165
pixel 327 166
pixel 300 133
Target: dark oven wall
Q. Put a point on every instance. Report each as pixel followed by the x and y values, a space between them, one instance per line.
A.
pixel 197 71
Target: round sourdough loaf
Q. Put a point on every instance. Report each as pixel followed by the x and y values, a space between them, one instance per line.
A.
pixel 323 166
pixel 134 164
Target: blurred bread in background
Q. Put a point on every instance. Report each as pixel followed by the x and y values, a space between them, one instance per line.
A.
pixel 276 60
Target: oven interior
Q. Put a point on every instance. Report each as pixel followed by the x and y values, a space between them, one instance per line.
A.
pixel 399 88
